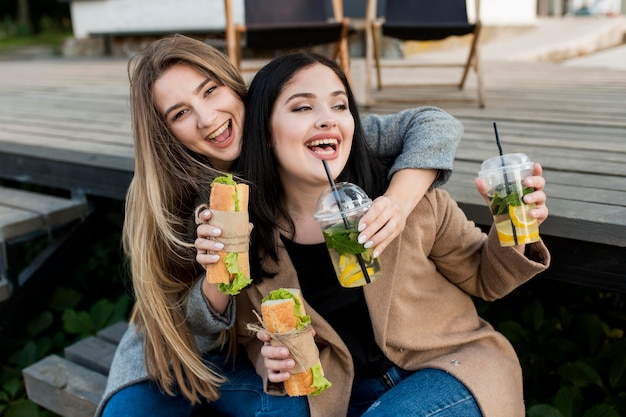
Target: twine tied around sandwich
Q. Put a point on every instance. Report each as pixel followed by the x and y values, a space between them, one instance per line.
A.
pixel 234 226
pixel 299 342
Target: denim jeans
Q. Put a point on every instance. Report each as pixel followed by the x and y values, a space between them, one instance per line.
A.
pixel 428 392
pixel 241 396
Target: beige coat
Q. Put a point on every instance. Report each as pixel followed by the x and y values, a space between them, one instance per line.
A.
pixel 420 309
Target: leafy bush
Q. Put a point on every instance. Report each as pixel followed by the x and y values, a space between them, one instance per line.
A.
pixel 570 341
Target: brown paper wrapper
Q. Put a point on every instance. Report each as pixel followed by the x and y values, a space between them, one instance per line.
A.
pixel 301 345
pixel 234 225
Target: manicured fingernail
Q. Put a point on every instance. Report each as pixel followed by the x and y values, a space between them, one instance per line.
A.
pixel 369 244
pixel 215 258
pixel 217 231
pixel 219 245
pixel 375 254
pixel 362 238
pixel 362 227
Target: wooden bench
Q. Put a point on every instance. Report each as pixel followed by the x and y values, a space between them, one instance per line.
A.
pixel 72 386
pixel 25 215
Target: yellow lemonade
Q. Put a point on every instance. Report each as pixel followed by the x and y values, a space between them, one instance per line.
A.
pixel 504 177
pixel 345 252
pixel 514 224
pixel 338 212
pixel 349 271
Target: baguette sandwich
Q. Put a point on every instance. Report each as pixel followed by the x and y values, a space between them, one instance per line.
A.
pixel 284 318
pixel 229 211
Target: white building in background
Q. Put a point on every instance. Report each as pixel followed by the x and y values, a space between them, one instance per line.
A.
pixel 92 17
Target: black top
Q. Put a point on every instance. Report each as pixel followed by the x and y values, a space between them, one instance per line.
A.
pixel 344 308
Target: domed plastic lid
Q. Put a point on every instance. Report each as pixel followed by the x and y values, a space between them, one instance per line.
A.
pixel 353 201
pixel 512 162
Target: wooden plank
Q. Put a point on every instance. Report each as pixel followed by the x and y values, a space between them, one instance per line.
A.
pixel 92 353
pixel 60 149
pixel 16 222
pixel 114 332
pixel 64 387
pixel 105 132
pixel 73 386
pixel 96 180
pixel 23 212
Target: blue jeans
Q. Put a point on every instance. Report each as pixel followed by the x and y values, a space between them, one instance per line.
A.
pixel 241 396
pixel 428 392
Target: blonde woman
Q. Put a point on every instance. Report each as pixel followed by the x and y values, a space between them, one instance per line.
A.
pixel 187 106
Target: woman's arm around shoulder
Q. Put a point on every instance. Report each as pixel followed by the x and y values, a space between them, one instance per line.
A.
pixel 423 137
pixel 412 137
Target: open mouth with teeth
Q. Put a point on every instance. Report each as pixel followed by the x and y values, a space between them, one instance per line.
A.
pixel 323 146
pixel 221 134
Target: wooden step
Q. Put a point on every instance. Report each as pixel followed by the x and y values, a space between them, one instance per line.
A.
pixel 72 386
pixel 26 214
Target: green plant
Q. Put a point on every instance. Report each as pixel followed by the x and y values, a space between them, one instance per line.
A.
pixel 52 35
pixel 570 341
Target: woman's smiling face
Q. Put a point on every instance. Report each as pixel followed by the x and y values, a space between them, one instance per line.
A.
pixel 204 115
pixel 311 121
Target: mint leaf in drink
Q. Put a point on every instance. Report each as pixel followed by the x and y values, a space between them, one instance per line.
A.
pixel 500 202
pixel 343 240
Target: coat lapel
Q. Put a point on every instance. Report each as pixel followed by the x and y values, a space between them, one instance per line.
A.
pixel 379 293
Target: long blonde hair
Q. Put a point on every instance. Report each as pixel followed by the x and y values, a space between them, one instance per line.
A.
pixel 168 182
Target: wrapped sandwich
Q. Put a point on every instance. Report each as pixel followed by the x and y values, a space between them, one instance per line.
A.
pixel 228 203
pixel 285 320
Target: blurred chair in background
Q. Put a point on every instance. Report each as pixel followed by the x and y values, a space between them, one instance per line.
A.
pixel 422 20
pixel 288 24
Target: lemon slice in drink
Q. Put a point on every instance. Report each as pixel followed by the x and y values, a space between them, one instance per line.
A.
pixel 505 233
pixel 349 266
pixel 520 217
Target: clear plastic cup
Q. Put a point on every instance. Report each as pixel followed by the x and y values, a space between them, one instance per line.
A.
pixel 504 176
pixel 354 265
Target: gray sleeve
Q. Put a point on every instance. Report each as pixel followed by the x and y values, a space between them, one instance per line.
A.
pixel 204 321
pixel 422 137
pixel 127 368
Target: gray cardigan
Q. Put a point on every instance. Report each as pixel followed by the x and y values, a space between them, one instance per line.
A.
pixel 423 137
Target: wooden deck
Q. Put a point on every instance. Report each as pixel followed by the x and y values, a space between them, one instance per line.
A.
pixel 66 123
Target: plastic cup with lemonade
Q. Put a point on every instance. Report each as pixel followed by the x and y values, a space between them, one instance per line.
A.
pixel 504 176
pixel 354 265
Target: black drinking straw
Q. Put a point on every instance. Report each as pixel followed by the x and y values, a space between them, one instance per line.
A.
pixel 343 216
pixel 506 179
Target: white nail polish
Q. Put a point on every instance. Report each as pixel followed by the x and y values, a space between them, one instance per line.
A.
pixel 362 227
pixel 368 245
pixel 219 246
pixel 375 254
pixel 362 238
pixel 217 232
